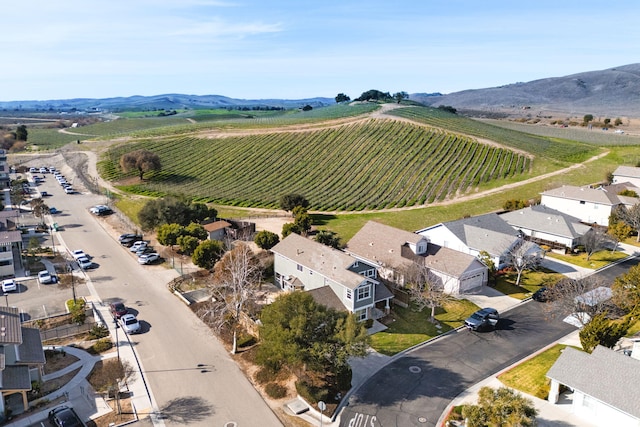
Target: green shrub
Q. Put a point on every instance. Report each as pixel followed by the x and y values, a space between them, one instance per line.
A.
pixel 275 390
pixel 99 331
pixel 311 393
pixel 265 375
pixel 101 345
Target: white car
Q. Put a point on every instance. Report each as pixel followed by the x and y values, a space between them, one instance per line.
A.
pixel 78 253
pixel 138 245
pixel 9 285
pixel 69 190
pixel 84 262
pixel 148 258
pixel 130 324
pixel 44 277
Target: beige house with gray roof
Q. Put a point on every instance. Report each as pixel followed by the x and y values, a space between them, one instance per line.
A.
pixel 333 277
pixel 392 250
pixel 627 174
pixel 605 385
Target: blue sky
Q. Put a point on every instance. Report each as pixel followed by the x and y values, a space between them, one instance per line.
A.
pixel 258 49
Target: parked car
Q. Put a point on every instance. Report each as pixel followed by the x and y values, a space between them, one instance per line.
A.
pixel 63 416
pixel 129 239
pixel 137 245
pixel 69 190
pixel 100 210
pixel 130 324
pixel 9 285
pixel 117 309
pixel 33 170
pixel 44 194
pixel 483 319
pixel 44 277
pixel 84 262
pixel 78 253
pixel 144 250
pixel 53 210
pixel 148 258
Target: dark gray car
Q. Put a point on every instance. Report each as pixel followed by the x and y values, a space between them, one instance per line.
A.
pixel 482 320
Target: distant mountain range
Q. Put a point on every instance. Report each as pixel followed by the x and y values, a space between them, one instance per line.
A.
pixel 611 92
pixel 168 102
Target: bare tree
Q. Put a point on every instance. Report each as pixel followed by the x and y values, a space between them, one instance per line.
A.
pixel 595 240
pixel 584 298
pixel 631 217
pixel 425 288
pixel 523 256
pixel 236 279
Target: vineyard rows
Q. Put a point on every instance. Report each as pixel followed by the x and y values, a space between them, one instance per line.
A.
pixel 548 147
pixel 371 164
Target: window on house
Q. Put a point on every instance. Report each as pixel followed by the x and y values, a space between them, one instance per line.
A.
pixel 349 294
pixel 361 315
pixel 6 262
pixel 363 292
pixel 582 202
pixel 299 267
pixel 421 249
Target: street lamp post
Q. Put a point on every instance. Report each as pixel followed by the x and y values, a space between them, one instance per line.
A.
pixel 73 285
pixel 115 324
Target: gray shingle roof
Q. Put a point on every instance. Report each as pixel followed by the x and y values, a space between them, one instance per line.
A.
pixel 608 376
pixel 543 218
pixel 594 195
pixel 450 262
pixel 627 171
pixel 30 351
pixel 381 243
pixel 483 232
pixel 327 297
pixel 15 378
pixel 329 262
pixel 10 327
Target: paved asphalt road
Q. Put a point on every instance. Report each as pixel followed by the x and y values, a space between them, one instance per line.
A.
pixel 192 377
pixel 415 389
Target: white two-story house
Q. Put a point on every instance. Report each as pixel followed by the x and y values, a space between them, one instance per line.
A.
pixel 332 277
pixel 590 205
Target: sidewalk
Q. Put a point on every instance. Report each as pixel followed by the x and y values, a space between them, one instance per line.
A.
pixel 78 392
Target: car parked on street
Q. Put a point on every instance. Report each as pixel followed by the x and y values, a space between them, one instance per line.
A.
pixel 9 285
pixel 53 210
pixel 148 258
pixel 483 319
pixel 130 324
pixel 44 194
pixel 64 416
pixel 78 253
pixel 138 245
pixel 69 190
pixel 117 309
pixel 129 239
pixel 100 210
pixel 44 277
pixel 84 262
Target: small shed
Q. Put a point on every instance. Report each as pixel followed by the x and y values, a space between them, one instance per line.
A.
pixel 217 230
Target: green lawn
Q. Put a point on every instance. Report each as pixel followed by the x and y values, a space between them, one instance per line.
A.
pixel 530 282
pixel 597 260
pixel 410 327
pixel 529 377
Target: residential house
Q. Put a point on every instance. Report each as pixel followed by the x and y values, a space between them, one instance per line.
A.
pixel 604 383
pixel 590 205
pixel 21 356
pixel 5 179
pixel 473 235
pixel 217 230
pixel 334 278
pixel 10 242
pixel 546 226
pixel 392 251
pixel 627 174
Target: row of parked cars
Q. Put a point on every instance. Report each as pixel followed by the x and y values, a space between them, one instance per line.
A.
pixel 141 248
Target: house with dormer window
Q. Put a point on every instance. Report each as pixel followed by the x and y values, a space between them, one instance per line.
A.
pixel 393 251
pixel 331 276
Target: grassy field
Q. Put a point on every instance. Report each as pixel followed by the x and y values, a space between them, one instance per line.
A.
pixel 529 376
pixel 409 327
